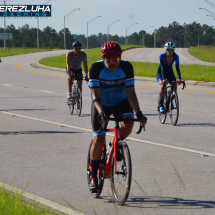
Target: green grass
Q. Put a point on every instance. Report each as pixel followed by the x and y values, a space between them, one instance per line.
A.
pixel 16 204
pixel 18 51
pixel 188 72
pixel 205 53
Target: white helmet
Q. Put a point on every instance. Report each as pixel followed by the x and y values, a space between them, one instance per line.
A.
pixel 170 45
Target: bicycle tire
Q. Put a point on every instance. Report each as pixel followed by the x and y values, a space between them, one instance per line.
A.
pixel 174 113
pixel 100 176
pixel 125 173
pixel 79 94
pixel 162 116
pixel 71 106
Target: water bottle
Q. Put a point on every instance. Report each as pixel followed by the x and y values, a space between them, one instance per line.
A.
pixel 108 148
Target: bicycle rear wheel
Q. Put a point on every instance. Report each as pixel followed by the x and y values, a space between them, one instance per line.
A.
pixel 121 182
pixel 78 109
pixel 100 176
pixel 162 116
pixel 70 103
pixel 174 108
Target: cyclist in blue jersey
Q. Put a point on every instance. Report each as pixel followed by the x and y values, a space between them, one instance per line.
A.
pixel 165 72
pixel 74 60
pixel 112 89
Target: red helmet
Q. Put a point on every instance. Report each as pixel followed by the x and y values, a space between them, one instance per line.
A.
pixel 111 48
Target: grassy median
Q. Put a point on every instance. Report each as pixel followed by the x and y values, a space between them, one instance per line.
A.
pixel 188 72
pixel 205 53
pixel 18 51
pixel 16 204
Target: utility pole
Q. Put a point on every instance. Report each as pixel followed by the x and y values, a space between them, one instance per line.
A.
pixel 155 39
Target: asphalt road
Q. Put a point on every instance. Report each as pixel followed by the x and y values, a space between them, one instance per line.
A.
pixel 170 175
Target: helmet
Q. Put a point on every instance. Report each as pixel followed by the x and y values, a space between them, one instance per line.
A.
pixel 76 44
pixel 111 48
pixel 170 45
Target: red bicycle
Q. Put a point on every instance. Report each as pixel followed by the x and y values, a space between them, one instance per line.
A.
pixel 115 166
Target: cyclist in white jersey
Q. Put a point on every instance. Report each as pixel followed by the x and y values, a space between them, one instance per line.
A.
pixel 74 60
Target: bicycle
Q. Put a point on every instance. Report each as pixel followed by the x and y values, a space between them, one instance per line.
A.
pixel 171 104
pixel 76 94
pixel 116 165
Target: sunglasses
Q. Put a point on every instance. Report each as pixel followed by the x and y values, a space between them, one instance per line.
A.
pixel 77 48
pixel 113 59
pixel 170 50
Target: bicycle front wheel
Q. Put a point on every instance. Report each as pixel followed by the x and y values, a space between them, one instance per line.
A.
pixel 100 176
pixel 78 105
pixel 70 103
pixel 121 180
pixel 174 112
pixel 162 116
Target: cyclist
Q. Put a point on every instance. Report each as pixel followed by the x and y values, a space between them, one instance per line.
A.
pixel 74 60
pixel 112 89
pixel 165 72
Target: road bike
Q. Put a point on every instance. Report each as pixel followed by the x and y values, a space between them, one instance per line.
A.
pixel 171 103
pixel 76 96
pixel 115 165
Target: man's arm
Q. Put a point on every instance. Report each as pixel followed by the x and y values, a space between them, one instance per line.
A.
pixel 85 64
pixel 68 63
pixel 96 94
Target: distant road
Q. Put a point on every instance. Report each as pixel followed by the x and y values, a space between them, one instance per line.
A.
pixel 152 55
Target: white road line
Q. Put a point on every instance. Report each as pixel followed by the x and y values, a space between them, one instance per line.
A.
pixel 8 85
pixel 40 200
pixel 130 138
pixel 46 91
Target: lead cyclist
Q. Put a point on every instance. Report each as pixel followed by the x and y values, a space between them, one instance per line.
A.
pixel 112 89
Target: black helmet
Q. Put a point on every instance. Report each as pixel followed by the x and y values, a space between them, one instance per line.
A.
pixel 76 44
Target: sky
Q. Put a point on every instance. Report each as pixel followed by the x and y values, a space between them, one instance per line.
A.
pixel 146 13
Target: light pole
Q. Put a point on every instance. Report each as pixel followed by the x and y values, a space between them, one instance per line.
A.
pixel 108 29
pixel 126 32
pixel 38 44
pixel 155 31
pixel 87 27
pixel 5 1
pixel 64 26
pixel 143 35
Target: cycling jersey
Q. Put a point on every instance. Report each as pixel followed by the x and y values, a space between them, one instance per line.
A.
pixel 165 70
pixel 112 84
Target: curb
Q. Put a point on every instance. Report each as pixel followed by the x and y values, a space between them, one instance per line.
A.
pixel 188 82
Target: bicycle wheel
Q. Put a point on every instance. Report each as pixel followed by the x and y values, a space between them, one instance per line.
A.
pixel 79 95
pixel 70 103
pixel 162 116
pixel 100 176
pixel 121 182
pixel 174 110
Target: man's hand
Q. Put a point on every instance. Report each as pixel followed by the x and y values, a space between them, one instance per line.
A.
pixel 86 78
pixel 101 117
pixel 70 78
pixel 141 118
pixel 179 81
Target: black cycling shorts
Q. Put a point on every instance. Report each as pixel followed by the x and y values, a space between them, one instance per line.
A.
pixel 123 108
pixel 77 72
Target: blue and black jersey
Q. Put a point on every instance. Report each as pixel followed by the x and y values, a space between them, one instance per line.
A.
pixel 165 70
pixel 112 84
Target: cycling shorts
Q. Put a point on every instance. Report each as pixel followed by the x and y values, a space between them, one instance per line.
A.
pixel 77 72
pixel 123 108
pixel 169 74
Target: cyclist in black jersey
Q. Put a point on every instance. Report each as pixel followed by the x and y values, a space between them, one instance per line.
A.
pixel 74 60
pixel 112 89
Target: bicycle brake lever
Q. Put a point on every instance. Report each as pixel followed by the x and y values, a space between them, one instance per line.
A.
pixel 140 129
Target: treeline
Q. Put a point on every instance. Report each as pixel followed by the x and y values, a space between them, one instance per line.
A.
pixel 185 35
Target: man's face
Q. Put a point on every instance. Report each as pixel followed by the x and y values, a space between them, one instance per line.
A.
pixel 112 62
pixel 76 50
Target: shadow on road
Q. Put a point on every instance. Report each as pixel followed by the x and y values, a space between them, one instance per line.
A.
pixel 197 124
pixel 156 202
pixel 37 132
